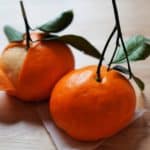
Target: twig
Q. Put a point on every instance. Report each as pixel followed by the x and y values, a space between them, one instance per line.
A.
pixel 120 35
pixel 27 27
pixel 114 53
pixel 103 53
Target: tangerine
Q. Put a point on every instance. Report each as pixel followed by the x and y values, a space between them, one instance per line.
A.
pixel 89 110
pixel 33 73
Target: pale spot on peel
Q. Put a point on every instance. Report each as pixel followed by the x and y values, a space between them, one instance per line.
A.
pixel 12 61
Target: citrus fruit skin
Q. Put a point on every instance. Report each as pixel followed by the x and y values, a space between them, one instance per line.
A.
pixel 44 64
pixel 88 110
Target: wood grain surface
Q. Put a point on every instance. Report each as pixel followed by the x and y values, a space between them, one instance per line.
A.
pixel 20 125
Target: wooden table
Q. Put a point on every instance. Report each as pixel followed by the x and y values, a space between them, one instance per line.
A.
pixel 20 125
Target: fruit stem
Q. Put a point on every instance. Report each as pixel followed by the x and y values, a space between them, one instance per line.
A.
pixel 103 53
pixel 120 35
pixel 27 27
pixel 114 53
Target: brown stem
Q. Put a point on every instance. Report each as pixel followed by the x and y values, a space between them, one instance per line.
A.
pixel 114 53
pixel 27 27
pixel 120 35
pixel 103 53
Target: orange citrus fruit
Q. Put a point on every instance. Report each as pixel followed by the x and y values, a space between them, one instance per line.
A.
pixel 31 75
pixel 89 110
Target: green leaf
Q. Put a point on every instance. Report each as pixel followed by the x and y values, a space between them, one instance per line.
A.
pixel 59 24
pixel 137 47
pixel 12 34
pixel 137 80
pixel 50 37
pixel 76 41
pixel 81 44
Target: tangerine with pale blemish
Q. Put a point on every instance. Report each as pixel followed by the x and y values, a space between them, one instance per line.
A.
pixel 34 72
